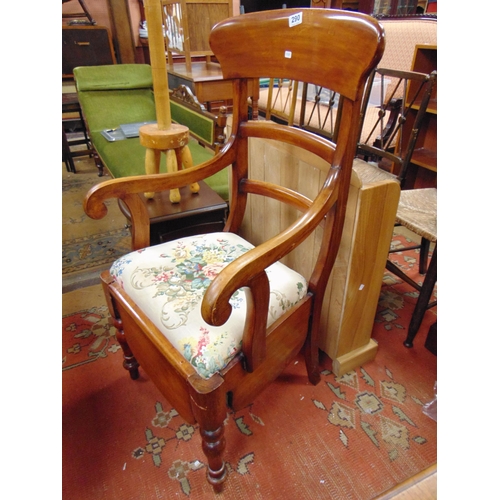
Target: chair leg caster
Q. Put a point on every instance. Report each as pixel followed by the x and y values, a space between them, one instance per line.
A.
pixel 408 343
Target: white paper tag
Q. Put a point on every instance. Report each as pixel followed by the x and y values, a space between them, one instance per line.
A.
pixel 295 19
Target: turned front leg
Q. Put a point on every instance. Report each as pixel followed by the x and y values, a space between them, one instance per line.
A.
pixel 213 445
pixel 210 412
pixel 129 362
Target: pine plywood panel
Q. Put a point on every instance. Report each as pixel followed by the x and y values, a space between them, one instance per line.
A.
pixel 354 286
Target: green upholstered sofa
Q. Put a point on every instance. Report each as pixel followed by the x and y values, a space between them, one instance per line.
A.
pixel 113 95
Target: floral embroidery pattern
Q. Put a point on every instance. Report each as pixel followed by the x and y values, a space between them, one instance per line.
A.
pixel 175 276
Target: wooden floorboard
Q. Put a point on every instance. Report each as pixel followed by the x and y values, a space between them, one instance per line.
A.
pixel 423 486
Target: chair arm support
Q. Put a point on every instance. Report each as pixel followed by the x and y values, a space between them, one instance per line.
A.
pixel 254 334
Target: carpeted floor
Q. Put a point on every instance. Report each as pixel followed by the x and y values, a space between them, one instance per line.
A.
pixel 354 436
pixel 88 246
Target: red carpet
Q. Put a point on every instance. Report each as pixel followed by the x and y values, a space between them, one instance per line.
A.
pixel 350 437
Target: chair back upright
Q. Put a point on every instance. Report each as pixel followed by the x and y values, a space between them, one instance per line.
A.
pixel 294 44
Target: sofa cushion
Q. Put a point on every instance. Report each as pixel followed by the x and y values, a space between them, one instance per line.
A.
pixel 114 77
pixel 168 281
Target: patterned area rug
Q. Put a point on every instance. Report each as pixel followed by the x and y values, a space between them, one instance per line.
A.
pixel 89 244
pixel 354 436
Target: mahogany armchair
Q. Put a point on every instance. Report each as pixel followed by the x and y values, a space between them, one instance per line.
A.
pixel 212 319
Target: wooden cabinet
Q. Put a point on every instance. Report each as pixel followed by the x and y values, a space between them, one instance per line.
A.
pixel 423 169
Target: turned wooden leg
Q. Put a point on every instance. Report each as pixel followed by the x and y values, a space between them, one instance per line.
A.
pixel 311 355
pixel 153 157
pixel 210 412
pixel 98 164
pixel 129 362
pixel 213 445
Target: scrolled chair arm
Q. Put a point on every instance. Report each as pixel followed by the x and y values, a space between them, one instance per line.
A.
pixel 128 189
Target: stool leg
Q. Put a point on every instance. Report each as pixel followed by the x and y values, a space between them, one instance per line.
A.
pixel 173 161
pixel 152 165
pixel 187 162
pixel 423 300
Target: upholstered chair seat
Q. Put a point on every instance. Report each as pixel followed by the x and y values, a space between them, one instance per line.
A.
pixel 168 281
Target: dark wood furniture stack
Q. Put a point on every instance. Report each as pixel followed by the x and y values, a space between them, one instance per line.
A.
pixel 417 208
pixel 82 45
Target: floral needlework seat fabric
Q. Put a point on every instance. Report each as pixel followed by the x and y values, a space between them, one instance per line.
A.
pixel 168 281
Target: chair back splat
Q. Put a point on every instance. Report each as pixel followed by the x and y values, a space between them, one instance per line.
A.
pixel 214 319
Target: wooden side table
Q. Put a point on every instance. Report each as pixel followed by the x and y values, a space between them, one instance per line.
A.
pixel 208 84
pixel 197 213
